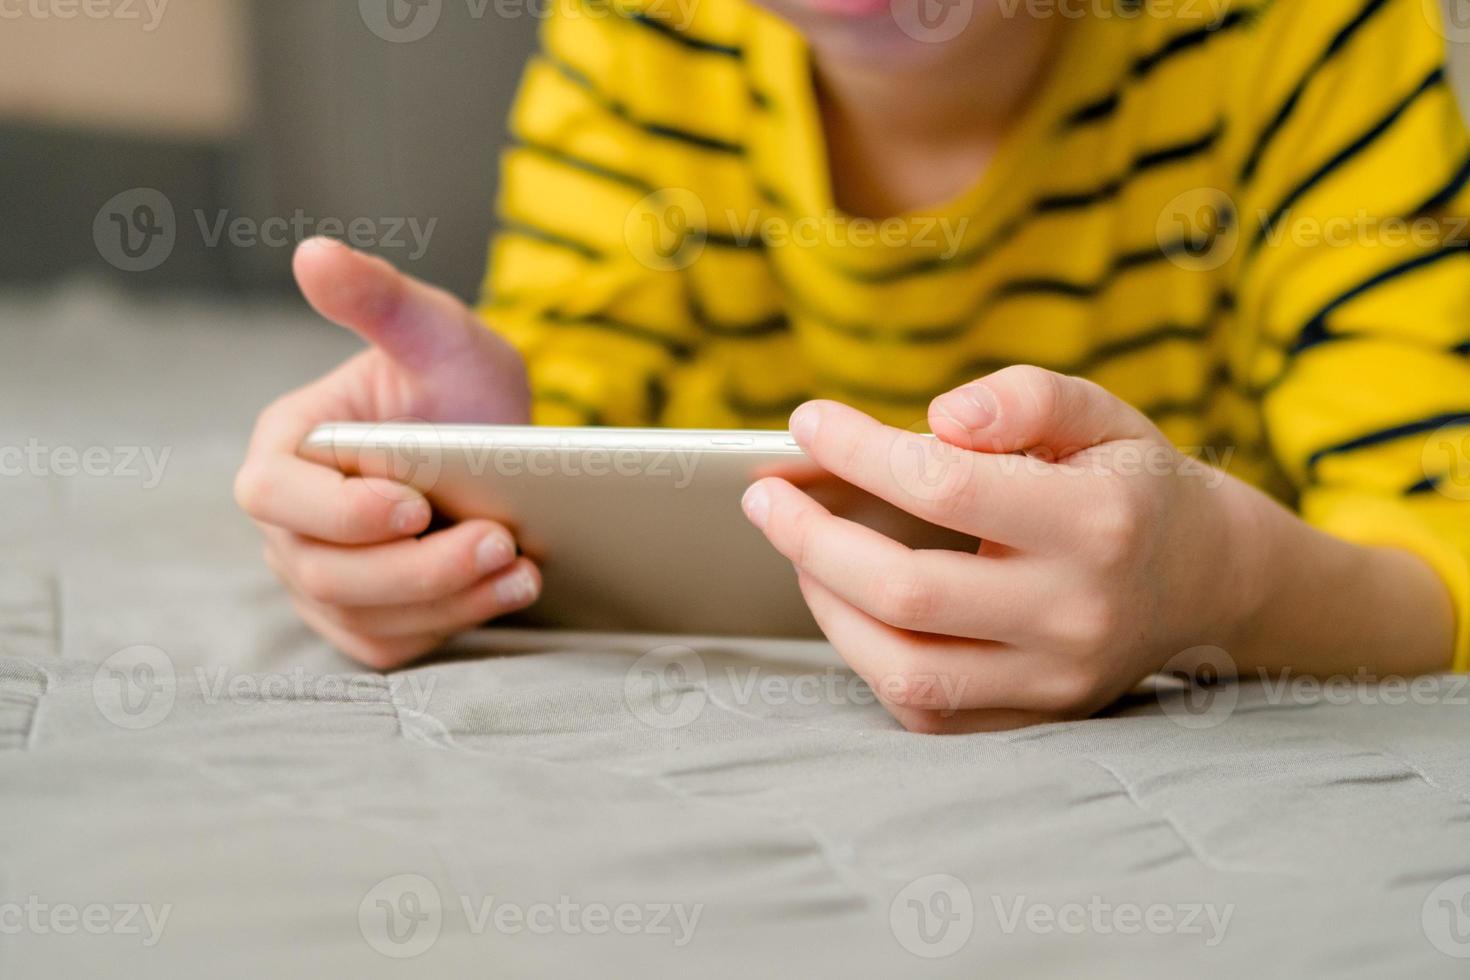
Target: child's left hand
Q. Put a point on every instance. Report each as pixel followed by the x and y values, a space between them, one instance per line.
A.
pixel 1106 551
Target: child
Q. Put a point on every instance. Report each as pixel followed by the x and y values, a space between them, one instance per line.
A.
pixel 1092 232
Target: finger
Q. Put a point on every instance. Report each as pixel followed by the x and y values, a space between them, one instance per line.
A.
pixel 928 672
pixel 510 590
pixel 379 653
pixel 277 487
pixel 922 722
pixel 321 503
pixel 934 591
pixel 1030 408
pixel 415 324
pixel 1011 499
pixel 407 571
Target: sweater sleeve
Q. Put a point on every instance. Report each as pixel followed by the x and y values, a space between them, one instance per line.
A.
pixel 1355 279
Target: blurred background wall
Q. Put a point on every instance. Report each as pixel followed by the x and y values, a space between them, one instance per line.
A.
pixel 387 112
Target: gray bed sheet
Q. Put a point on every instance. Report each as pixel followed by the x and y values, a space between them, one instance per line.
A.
pixel 192 784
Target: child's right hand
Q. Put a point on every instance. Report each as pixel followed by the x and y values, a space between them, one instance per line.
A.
pixel 348 548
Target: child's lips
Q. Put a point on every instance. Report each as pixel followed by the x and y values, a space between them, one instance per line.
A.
pixel 851 8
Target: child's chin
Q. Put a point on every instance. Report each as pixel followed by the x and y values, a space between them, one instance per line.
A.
pixel 849 9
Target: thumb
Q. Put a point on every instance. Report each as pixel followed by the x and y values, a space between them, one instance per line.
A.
pixel 1025 408
pixel 417 325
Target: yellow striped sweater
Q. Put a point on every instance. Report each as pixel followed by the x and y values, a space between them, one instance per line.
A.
pixel 1248 222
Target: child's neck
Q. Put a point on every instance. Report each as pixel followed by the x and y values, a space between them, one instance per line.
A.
pixel 902 137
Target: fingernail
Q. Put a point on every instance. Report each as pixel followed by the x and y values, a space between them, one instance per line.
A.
pixel 757 505
pixel 972 406
pixel 322 241
pixel 409 516
pixel 516 589
pixel 803 422
pixel 494 552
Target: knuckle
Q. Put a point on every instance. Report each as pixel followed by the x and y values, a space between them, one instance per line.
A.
pixel 1117 521
pixel 441 574
pixel 351 619
pixel 360 513
pixel 801 527
pixel 847 448
pixel 1091 621
pixel 282 409
pixel 904 598
pixel 1070 687
pixel 428 585
pixel 252 489
pixel 910 686
pixel 314 579
pixel 953 485
pixel 1042 390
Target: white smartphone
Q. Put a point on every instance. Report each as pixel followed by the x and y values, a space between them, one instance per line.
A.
pixel 636 530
